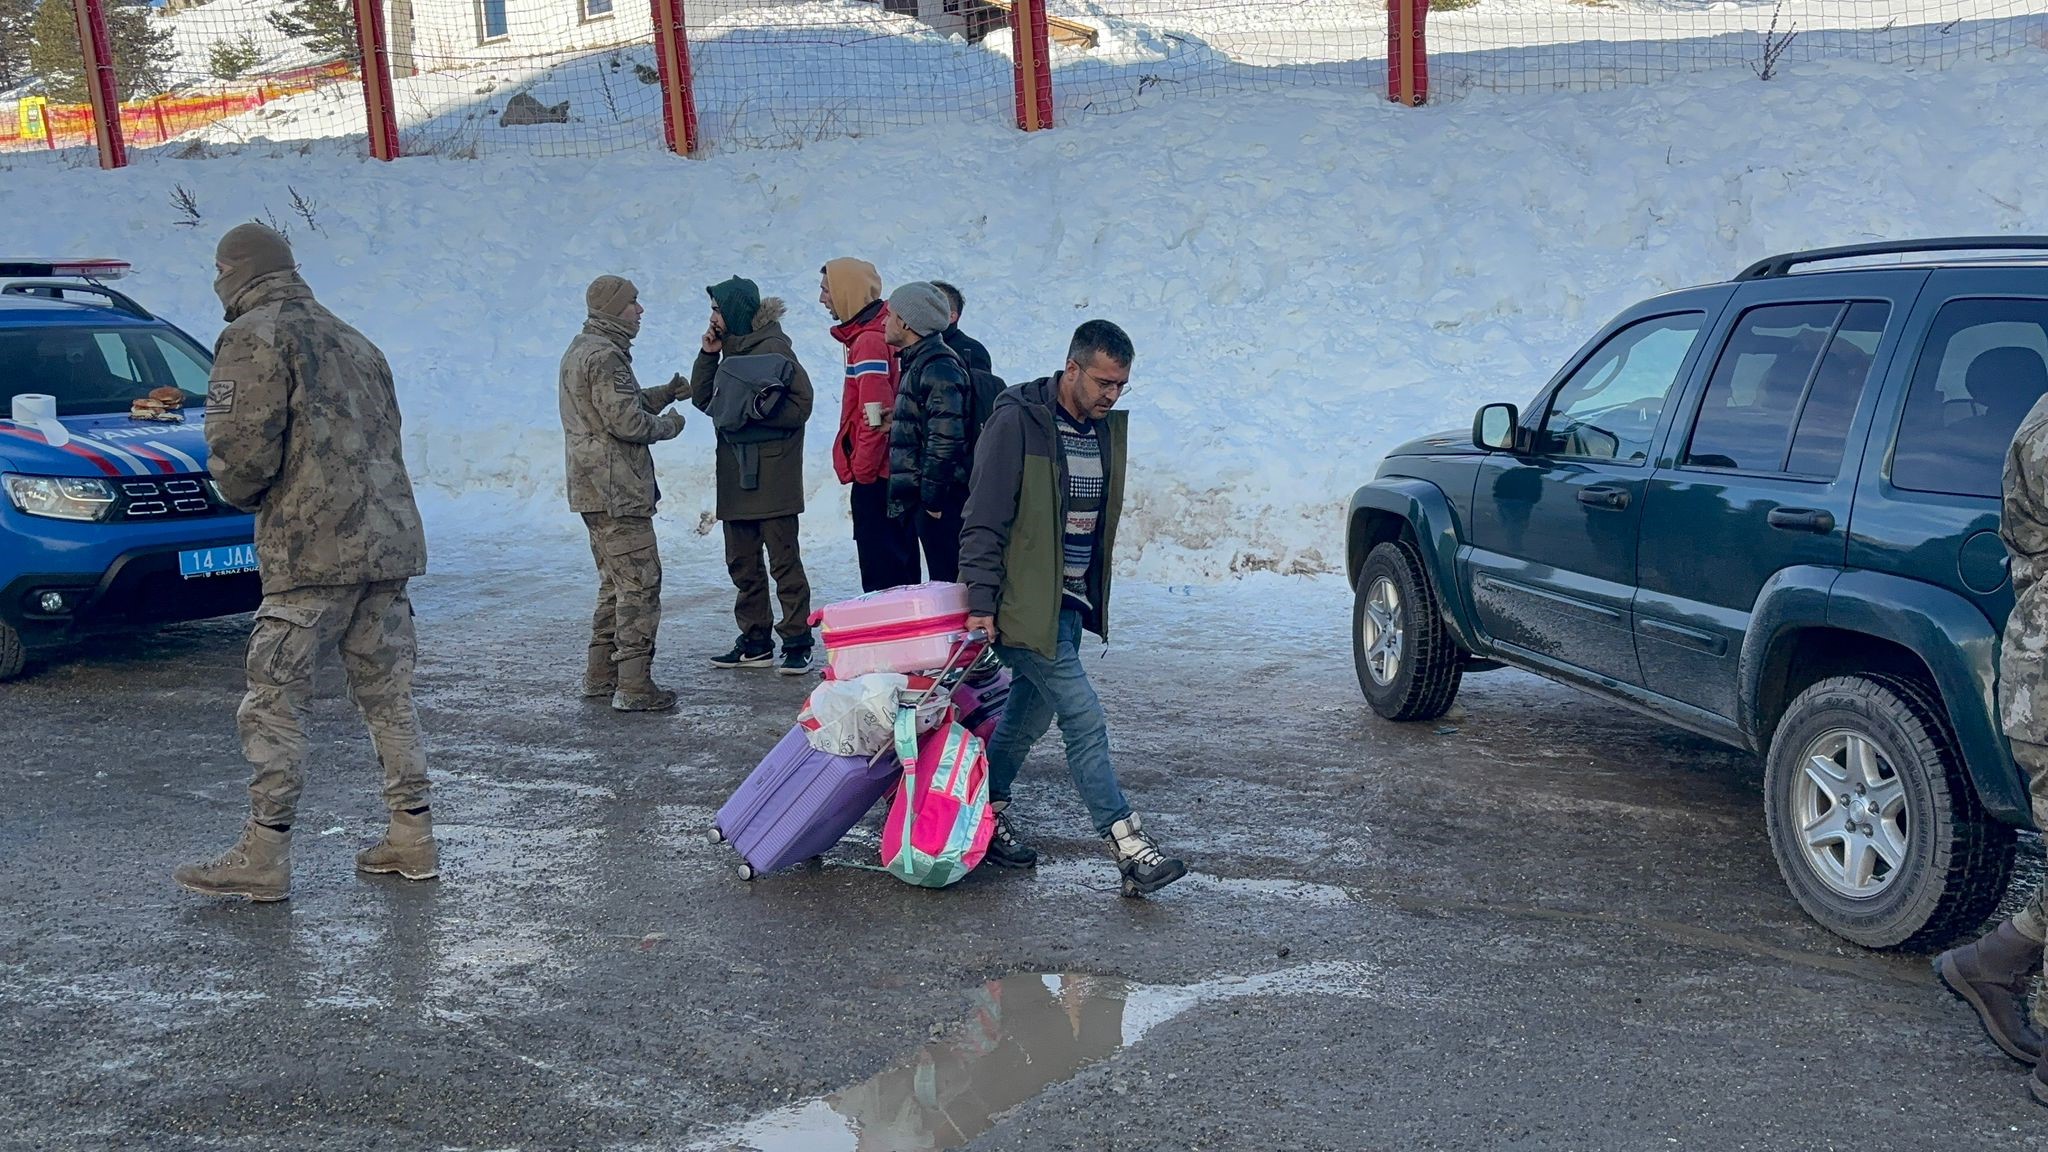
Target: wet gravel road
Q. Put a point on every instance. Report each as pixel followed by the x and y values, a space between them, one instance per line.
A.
pixel 1543 924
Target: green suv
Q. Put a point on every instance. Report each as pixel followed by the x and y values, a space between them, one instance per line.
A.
pixel 1765 511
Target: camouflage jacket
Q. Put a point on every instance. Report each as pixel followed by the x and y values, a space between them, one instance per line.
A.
pixel 302 428
pixel 608 421
pixel 2023 660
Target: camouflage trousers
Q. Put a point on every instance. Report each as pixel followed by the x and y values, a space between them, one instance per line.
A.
pixel 372 625
pixel 2032 920
pixel 629 584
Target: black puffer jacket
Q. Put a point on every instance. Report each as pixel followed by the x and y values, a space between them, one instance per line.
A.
pixel 928 457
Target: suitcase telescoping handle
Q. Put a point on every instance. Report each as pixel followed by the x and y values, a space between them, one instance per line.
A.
pixel 963 643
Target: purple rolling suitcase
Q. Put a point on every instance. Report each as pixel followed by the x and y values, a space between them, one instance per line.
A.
pixel 799 802
pixel 981 705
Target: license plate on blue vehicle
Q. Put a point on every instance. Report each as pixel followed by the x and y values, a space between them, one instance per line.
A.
pixel 217 561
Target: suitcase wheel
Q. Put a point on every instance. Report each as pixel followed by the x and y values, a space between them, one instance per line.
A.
pixel 746 871
pixel 716 835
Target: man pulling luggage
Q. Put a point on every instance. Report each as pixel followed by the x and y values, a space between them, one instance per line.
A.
pixel 1035 553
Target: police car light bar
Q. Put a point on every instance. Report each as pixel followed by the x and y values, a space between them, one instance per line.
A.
pixel 81 268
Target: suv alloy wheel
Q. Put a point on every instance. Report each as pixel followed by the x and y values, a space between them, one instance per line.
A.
pixel 1408 664
pixel 1875 825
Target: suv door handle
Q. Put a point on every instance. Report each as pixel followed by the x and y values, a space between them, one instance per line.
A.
pixel 1816 520
pixel 1604 496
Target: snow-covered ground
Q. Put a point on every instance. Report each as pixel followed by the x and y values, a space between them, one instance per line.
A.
pixel 780 74
pixel 1310 277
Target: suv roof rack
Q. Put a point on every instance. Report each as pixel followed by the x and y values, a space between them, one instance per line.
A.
pixel 1783 265
pixel 64 290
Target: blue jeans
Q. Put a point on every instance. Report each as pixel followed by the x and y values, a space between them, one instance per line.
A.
pixel 1040 691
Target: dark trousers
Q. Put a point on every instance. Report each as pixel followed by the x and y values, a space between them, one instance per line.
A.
pixel 940 536
pixel 745 541
pixel 887 546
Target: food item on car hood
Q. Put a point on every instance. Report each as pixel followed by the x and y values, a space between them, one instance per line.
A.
pixel 151 408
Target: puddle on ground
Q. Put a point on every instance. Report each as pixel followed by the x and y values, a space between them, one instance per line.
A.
pixel 1026 1034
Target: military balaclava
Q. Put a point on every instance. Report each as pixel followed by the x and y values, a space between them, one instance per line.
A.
pixel 248 252
pixel 608 297
pixel 738 299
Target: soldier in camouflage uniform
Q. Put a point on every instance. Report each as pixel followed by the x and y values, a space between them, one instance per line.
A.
pixel 1994 973
pixel 608 421
pixel 303 429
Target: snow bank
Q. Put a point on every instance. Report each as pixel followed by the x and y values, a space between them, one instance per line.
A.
pixel 793 72
pixel 1310 278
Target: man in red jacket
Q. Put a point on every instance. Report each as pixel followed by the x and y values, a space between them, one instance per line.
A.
pixel 852 291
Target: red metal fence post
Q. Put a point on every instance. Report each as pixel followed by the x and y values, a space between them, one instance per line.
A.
pixel 96 49
pixel 1407 53
pixel 380 111
pixel 678 91
pixel 1033 70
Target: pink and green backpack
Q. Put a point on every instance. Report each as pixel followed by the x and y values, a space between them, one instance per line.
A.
pixel 940 821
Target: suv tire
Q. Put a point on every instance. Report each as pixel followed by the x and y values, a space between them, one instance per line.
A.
pixel 13 657
pixel 1884 743
pixel 1407 663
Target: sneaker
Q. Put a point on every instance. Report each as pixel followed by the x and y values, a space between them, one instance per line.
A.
pixel 795 662
pixel 742 657
pixel 1005 850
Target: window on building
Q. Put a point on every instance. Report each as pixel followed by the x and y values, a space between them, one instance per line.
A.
pixel 491 20
pixel 596 9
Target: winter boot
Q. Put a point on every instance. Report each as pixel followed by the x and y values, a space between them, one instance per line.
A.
pixel 637 690
pixel 408 849
pixel 599 677
pixel 1145 868
pixel 2038 1082
pixel 1005 850
pixel 1993 976
pixel 258 867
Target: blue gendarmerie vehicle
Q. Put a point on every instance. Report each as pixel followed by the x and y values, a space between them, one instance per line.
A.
pixel 108 520
pixel 1766 510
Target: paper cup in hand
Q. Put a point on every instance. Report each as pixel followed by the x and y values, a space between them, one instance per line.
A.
pixel 874 413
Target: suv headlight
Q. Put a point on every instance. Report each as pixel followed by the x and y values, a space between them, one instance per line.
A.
pixel 59 497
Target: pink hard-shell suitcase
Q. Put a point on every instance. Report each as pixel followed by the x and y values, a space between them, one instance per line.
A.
pixel 799 802
pixel 910 629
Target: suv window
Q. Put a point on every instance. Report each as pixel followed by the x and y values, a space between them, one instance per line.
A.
pixel 93 371
pixel 1786 389
pixel 1983 366
pixel 1609 408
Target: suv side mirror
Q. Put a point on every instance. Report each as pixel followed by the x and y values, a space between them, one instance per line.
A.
pixel 1495 426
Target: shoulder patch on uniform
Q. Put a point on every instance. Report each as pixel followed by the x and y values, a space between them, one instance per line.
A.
pixel 622 379
pixel 220 396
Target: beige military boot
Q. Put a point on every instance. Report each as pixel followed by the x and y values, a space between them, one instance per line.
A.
pixel 599 678
pixel 637 691
pixel 258 867
pixel 408 848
